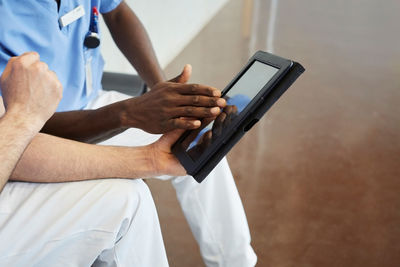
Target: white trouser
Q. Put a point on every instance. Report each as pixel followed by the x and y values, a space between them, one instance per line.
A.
pixel 213 208
pixel 110 222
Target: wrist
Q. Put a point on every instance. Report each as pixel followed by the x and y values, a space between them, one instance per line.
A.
pixel 113 115
pixel 128 114
pixel 31 123
pixel 151 160
pixel 141 161
pixel 161 78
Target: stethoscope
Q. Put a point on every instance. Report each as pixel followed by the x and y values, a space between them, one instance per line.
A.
pixel 92 39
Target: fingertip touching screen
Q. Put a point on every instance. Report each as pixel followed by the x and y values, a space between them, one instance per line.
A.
pixel 238 96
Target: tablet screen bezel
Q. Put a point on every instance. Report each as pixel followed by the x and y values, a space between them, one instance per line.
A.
pixel 283 65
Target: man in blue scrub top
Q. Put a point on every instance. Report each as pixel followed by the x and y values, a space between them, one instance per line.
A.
pixel 86 113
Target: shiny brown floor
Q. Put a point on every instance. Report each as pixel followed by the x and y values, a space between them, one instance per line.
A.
pixel 319 176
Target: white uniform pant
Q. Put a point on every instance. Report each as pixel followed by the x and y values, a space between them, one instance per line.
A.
pixel 212 208
pixel 110 222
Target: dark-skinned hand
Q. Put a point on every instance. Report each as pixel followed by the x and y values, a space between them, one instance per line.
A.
pixel 173 105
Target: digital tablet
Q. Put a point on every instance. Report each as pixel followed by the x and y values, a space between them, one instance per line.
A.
pixel 249 96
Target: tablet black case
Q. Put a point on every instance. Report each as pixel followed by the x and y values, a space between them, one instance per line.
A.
pixel 295 71
pixel 283 84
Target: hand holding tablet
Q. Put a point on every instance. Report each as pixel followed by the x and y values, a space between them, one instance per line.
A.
pixel 249 95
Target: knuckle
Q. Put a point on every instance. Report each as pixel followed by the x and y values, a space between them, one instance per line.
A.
pixel 42 66
pixel 166 100
pixel 12 59
pixel 174 87
pixel 188 124
pixel 196 99
pixel 38 67
pixel 163 101
pixel 175 123
pixel 168 113
pixel 18 63
pixel 31 54
pixel 163 112
pixel 167 88
pixel 34 53
pixel 189 110
pixel 195 87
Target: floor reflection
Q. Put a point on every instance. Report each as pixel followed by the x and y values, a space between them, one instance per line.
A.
pixel 319 175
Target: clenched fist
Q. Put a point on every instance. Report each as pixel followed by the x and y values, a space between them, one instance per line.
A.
pixel 30 89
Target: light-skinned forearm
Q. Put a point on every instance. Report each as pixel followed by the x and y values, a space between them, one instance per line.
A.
pixel 16 133
pixel 52 159
pixel 133 41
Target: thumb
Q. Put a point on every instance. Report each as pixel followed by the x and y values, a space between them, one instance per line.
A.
pixel 184 76
pixel 168 139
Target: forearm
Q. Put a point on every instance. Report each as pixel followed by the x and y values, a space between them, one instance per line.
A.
pixel 52 159
pixel 89 126
pixel 15 136
pixel 133 41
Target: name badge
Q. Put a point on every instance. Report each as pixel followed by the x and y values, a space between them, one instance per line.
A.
pixel 72 16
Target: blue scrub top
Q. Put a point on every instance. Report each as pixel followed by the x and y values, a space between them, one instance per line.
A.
pixel 32 25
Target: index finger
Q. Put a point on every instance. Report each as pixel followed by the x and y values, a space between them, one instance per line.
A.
pixel 198 89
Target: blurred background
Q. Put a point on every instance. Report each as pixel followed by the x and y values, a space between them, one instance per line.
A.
pixel 319 175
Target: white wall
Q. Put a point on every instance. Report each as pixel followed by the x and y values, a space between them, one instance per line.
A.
pixel 171 25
